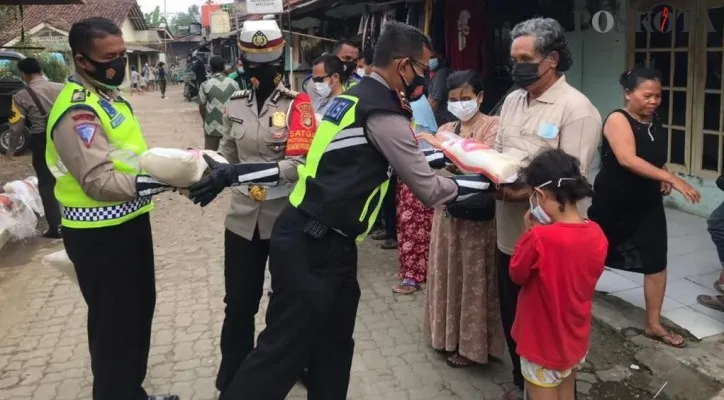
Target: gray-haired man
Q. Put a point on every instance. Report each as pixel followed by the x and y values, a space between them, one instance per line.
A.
pixel 546 112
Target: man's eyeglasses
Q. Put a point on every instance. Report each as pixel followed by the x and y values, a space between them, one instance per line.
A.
pixel 319 79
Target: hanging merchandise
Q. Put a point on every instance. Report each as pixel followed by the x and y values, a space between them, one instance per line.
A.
pixel 465 34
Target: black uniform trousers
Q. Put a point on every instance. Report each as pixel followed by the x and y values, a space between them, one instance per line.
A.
pixel 244 267
pixel 46 181
pixel 508 292
pixel 310 319
pixel 116 275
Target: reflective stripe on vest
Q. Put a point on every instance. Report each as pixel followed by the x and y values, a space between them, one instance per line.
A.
pixel 126 144
pixel 334 137
pixel 109 213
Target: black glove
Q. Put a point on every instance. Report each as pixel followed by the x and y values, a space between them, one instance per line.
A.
pixel 147 186
pixel 471 188
pixel 720 182
pixel 435 158
pixel 222 176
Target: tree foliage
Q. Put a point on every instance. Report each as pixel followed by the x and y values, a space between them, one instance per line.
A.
pixel 154 19
pixel 180 22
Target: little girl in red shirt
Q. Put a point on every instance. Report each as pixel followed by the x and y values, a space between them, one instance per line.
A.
pixel 557 263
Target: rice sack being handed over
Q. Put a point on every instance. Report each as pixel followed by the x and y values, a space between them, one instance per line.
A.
pixel 476 158
pixel 176 167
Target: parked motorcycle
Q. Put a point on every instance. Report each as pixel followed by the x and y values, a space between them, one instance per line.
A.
pixel 190 90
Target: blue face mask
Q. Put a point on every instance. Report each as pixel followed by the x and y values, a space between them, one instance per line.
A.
pixel 538 213
pixel 241 70
pixel 433 64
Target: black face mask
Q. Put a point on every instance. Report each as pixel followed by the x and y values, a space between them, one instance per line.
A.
pixel 268 76
pixel 109 74
pixel 350 67
pixel 525 74
pixel 416 88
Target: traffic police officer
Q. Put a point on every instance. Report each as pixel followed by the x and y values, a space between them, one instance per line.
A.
pixel 94 141
pixel 313 255
pixel 30 106
pixel 266 124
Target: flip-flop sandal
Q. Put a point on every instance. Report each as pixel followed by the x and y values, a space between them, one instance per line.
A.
pixel 719 286
pixel 408 286
pixel 458 361
pixel 715 303
pixel 663 339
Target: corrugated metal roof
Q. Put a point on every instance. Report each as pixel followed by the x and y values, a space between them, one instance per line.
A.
pixel 64 16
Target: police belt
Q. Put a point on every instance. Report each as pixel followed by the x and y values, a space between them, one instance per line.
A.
pixel 271 193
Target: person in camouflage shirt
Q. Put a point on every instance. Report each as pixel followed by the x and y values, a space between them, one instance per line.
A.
pixel 213 96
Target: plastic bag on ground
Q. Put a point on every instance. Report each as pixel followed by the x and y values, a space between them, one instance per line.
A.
pixel 60 261
pixel 17 217
pixel 26 191
pixel 176 167
pixel 476 158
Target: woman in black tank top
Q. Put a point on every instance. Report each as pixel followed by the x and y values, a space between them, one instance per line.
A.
pixel 628 201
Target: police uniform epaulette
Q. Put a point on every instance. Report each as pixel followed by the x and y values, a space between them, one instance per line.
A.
pixel 289 92
pixel 240 94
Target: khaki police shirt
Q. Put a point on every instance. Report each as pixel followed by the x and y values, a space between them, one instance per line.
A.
pixel 88 161
pixel 255 137
pixel 392 135
pixel 523 121
pixel 25 111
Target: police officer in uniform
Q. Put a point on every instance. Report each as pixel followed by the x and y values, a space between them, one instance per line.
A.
pixel 30 106
pixel 313 254
pixel 259 123
pixel 93 144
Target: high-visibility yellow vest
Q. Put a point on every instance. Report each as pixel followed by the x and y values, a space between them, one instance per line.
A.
pixel 126 144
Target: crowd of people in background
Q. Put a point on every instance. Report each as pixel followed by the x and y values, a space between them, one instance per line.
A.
pixel 151 78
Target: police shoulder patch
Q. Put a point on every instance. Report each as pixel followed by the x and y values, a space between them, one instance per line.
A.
pixel 86 133
pixel 240 94
pixel 337 110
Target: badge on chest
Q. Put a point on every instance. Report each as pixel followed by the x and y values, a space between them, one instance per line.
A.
pixel 279 120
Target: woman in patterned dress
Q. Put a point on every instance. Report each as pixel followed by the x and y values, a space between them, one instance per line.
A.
pixel 414 220
pixel 462 315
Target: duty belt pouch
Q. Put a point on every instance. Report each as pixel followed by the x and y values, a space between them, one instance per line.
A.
pixel 482 212
pixel 315 229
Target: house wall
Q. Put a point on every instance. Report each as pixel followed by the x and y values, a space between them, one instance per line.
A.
pixel 177 51
pixel 599 59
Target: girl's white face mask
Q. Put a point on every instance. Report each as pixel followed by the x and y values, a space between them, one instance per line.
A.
pixel 463 110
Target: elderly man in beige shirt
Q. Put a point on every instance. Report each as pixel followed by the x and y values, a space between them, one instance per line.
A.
pixel 545 112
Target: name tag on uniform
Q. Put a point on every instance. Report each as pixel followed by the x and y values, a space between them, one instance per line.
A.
pixel 547 130
pixel 115 122
pixel 236 120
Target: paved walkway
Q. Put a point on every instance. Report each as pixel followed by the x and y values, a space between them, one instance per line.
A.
pixel 43 344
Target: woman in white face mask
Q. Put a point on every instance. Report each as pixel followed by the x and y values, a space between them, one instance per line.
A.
pixel 462 317
pixel 328 79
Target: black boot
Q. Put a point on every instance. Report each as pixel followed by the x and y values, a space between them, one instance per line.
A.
pixel 53 233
